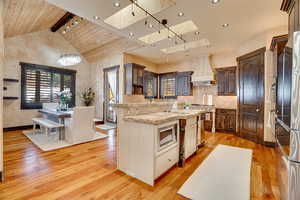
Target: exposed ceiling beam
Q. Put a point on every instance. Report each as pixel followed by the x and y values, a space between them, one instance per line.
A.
pixel 62 21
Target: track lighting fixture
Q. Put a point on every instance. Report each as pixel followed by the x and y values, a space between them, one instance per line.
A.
pixel 163 22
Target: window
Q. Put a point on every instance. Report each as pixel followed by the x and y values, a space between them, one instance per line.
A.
pixel 167 85
pixel 40 84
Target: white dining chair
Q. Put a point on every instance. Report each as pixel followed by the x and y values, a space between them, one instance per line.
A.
pixel 80 128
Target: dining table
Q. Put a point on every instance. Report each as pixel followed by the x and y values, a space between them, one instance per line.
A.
pixel 58 116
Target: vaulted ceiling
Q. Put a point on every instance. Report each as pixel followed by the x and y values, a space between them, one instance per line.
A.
pixel 87 36
pixel 90 39
pixel 26 16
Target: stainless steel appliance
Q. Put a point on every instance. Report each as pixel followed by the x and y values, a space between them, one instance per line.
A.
pixel 288 119
pixel 167 136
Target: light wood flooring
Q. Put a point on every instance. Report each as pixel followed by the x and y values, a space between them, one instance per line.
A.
pixel 88 171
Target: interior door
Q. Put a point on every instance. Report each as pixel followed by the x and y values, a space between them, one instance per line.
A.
pixel 251 96
pixel 111 93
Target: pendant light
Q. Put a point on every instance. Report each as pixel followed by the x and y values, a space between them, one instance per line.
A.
pixel 69 59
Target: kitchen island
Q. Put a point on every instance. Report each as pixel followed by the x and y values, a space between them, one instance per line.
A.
pixel 150 143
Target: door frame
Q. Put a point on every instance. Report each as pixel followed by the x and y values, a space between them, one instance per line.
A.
pixel 238 59
pixel 117 68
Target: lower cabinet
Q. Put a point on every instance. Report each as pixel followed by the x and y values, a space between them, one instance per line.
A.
pixel 166 160
pixel 190 138
pixel 226 120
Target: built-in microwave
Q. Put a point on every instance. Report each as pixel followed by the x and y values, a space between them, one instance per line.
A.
pixel 167 135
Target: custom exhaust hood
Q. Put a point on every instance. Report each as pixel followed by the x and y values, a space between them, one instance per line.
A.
pixel 203 75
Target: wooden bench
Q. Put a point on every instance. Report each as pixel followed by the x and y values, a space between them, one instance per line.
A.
pixel 46 123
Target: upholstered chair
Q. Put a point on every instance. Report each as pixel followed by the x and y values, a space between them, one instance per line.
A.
pixel 80 128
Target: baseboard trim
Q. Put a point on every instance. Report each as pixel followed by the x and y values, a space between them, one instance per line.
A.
pixel 269 144
pixel 17 128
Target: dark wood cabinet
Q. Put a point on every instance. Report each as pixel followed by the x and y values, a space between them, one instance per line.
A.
pixel 150 85
pixel 283 72
pixel 226 79
pixel 184 85
pixel 226 120
pixel 292 7
pixel 133 78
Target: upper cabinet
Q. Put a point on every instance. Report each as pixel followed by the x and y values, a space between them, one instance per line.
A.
pixel 150 85
pixel 226 79
pixel 292 7
pixel 133 78
pixel 184 86
pixel 138 81
pixel 167 85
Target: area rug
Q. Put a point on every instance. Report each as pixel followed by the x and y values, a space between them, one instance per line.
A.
pixel 52 142
pixel 107 126
pixel 223 175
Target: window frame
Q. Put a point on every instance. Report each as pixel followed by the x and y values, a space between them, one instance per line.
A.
pixel 161 92
pixel 52 70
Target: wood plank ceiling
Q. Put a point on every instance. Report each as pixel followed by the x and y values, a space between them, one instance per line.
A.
pixel 86 36
pixel 26 16
pixel 91 40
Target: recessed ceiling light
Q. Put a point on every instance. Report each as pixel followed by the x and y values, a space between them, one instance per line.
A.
pixel 180 14
pixel 215 1
pixel 197 33
pixel 225 25
pixel 96 17
pixel 117 4
pixel 131 34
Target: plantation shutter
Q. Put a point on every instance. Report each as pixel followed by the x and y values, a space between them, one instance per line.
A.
pixel 40 84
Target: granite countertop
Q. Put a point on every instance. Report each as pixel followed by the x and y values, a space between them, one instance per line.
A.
pixel 132 105
pixel 163 117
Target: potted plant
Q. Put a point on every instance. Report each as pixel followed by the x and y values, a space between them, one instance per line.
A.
pixel 87 97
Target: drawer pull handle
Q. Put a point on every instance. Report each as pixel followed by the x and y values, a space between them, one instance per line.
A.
pixel 169 160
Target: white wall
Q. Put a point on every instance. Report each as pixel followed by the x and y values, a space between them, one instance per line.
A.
pixel 43 47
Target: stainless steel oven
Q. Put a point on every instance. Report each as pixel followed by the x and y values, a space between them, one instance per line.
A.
pixel 167 136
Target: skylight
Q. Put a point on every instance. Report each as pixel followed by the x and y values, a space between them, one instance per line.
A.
pixel 124 18
pixel 187 46
pixel 183 28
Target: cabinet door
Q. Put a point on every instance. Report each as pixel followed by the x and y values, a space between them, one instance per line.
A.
pixel 220 121
pixel 150 85
pixel 221 79
pixel 184 84
pixel 190 140
pixel 230 123
pixel 231 82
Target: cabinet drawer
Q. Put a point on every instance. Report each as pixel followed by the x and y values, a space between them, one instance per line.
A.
pixel 226 111
pixel 166 161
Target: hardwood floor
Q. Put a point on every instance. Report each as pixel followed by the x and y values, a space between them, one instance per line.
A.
pixel 88 171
